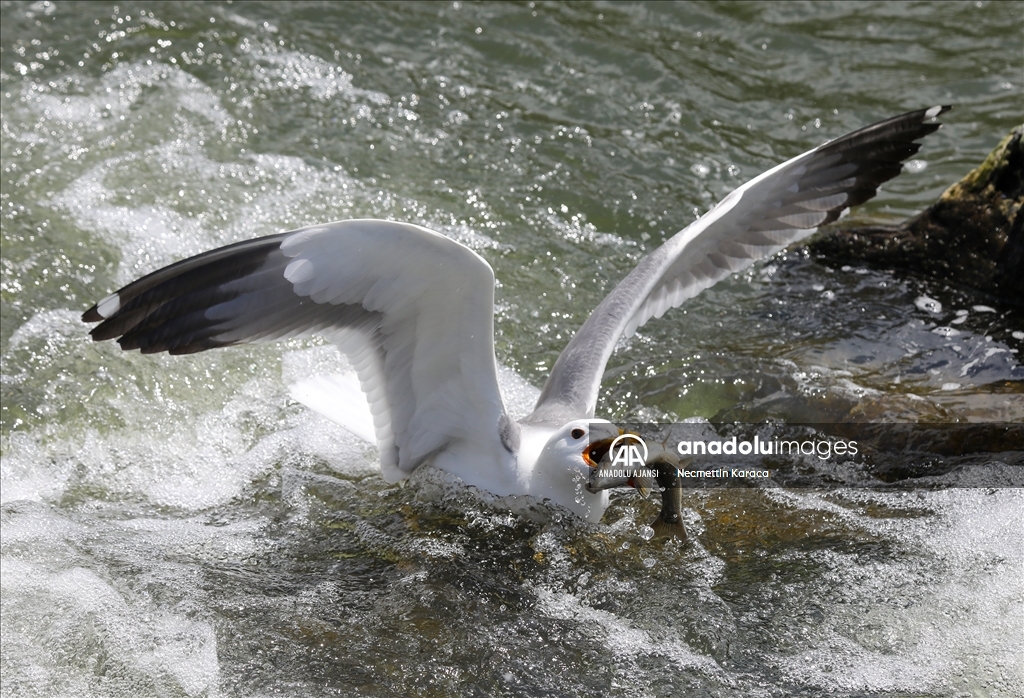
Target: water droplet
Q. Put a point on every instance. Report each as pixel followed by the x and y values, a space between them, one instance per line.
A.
pixel 927 304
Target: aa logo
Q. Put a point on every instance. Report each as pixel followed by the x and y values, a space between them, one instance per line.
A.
pixel 628 451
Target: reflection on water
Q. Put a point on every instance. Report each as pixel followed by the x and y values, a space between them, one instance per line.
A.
pixel 179 526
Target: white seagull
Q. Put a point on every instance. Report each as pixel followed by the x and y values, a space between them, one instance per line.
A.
pixel 413 311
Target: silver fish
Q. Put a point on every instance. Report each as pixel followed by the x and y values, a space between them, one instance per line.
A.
pixel 660 472
pixel 669 523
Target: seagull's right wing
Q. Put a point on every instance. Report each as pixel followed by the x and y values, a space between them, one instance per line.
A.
pixel 411 309
pixel 771 211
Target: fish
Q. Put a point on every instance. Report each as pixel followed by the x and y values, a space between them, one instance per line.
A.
pixel 661 472
pixel 669 523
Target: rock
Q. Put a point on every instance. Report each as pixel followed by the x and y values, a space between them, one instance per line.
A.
pixel 973 236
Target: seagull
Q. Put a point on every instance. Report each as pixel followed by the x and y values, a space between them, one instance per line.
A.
pixel 413 311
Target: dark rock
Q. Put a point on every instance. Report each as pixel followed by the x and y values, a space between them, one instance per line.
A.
pixel 973 236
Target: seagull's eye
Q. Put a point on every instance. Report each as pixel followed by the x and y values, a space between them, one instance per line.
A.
pixel 578 433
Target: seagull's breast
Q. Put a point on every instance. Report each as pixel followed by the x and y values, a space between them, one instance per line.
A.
pixel 498 473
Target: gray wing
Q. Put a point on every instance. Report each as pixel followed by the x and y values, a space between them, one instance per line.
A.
pixel 777 208
pixel 411 309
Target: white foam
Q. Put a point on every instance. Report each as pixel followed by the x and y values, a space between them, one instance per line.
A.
pixel 947 603
pixel 620 638
pixel 290 71
pixel 60 606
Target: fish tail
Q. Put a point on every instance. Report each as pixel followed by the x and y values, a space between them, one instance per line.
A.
pixel 669 529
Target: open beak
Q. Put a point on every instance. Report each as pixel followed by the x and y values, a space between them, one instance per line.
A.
pixel 601 476
pixel 594 453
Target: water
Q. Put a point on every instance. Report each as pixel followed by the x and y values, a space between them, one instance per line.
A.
pixel 178 526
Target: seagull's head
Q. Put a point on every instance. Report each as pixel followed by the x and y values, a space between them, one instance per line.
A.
pixel 565 461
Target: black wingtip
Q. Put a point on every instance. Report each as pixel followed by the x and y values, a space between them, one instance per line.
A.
pixel 143 313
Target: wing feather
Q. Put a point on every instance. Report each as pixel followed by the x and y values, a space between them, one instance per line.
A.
pixel 411 309
pixel 781 206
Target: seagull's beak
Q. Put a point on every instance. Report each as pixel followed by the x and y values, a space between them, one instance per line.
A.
pixel 604 478
pixel 594 453
pixel 664 462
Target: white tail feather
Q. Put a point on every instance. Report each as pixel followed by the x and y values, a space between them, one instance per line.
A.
pixel 338 397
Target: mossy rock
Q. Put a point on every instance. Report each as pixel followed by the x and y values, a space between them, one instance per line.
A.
pixel 973 236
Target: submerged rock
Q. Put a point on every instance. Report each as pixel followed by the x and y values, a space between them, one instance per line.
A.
pixel 972 236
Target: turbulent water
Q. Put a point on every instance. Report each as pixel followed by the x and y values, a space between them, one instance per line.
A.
pixel 178 526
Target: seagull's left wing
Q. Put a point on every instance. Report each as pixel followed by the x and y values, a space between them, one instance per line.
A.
pixel 771 211
pixel 411 309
